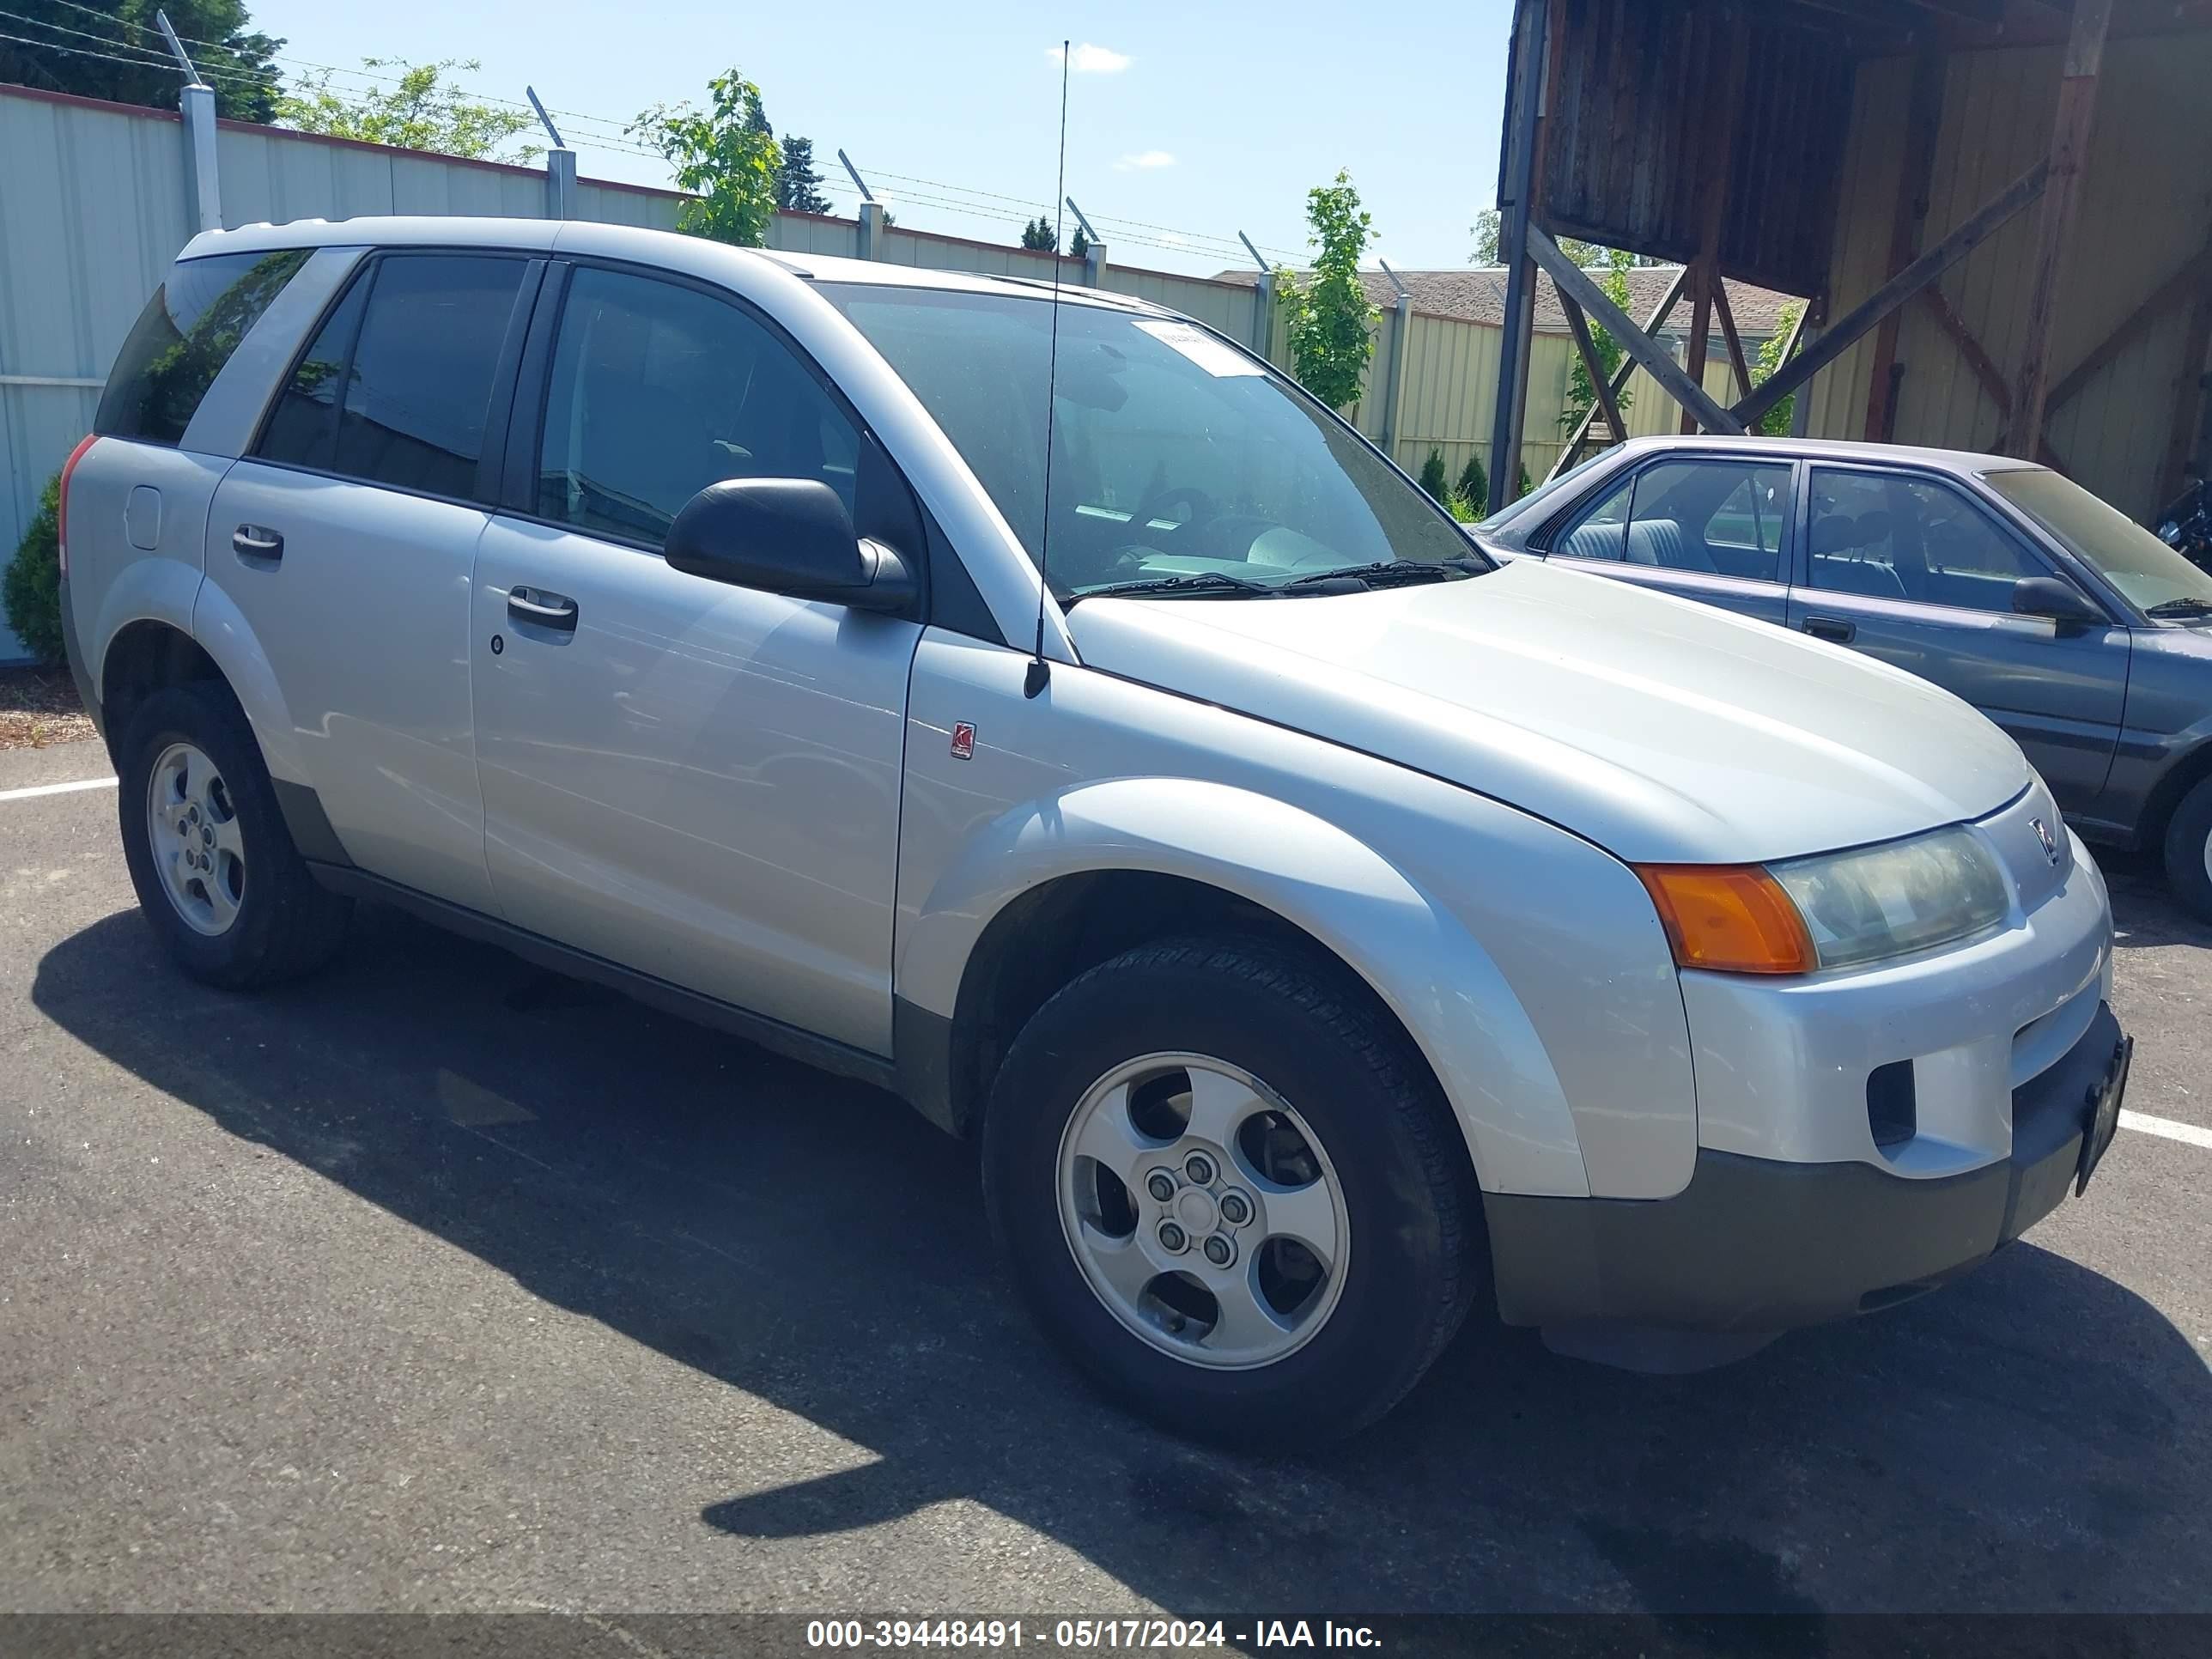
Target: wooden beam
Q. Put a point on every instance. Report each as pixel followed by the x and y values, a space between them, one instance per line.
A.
pixel 1847 330
pixel 1517 186
pixel 1601 382
pixel 2181 446
pixel 1656 361
pixel 1727 314
pixel 2070 145
pixel 1701 331
pixel 1621 376
pixel 1915 179
pixel 1977 356
pixel 2169 293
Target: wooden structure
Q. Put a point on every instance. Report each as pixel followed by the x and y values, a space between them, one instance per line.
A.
pixel 1999 213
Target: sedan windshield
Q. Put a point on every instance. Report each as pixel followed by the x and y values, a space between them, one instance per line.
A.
pixel 2153 577
pixel 1174 455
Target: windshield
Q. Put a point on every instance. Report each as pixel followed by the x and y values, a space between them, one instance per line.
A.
pixel 2148 572
pixel 1174 455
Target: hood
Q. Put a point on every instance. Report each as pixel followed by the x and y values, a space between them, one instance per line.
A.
pixel 1664 730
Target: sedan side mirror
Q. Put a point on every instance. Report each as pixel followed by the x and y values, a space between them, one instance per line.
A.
pixel 789 536
pixel 2055 598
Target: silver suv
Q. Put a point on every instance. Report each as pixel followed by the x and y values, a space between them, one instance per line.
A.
pixel 1320 927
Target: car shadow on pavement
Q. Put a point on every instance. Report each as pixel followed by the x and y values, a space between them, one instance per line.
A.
pixel 2035 1437
pixel 2144 910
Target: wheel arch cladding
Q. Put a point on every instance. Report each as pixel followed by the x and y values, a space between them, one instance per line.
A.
pixel 1135 849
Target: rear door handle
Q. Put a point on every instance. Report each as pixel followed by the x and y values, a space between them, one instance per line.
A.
pixel 253 541
pixel 536 605
pixel 1832 627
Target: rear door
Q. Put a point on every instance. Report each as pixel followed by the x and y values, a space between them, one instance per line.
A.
pixel 1714 528
pixel 345 541
pixel 1909 568
pixel 697 781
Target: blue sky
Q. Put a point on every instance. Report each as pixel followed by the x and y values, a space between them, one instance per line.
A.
pixel 1197 119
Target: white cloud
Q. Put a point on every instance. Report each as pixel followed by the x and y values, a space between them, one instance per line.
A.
pixel 1094 60
pixel 1144 158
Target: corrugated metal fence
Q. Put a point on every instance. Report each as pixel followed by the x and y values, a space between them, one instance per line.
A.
pixel 95 207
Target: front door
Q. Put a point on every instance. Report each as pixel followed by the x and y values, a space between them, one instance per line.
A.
pixel 1711 528
pixel 1909 569
pixel 695 781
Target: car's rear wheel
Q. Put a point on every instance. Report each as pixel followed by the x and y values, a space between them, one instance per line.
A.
pixel 2189 850
pixel 1233 1191
pixel 217 875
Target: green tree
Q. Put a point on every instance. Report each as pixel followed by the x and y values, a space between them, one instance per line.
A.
pixel 1078 244
pixel 74 48
pixel 1039 236
pixel 1776 422
pixel 1582 395
pixel 1473 486
pixel 1434 478
pixel 798 183
pixel 424 111
pixel 725 157
pixel 32 585
pixel 1488 222
pixel 1331 319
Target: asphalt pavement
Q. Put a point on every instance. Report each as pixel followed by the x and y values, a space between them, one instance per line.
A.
pixel 439 1283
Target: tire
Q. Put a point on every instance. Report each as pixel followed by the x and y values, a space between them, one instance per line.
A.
pixel 256 917
pixel 2189 850
pixel 1406 1208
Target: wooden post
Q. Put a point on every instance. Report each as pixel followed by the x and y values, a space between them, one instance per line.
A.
pixel 2181 446
pixel 1516 187
pixel 1924 116
pixel 1977 356
pixel 1848 328
pixel 1726 312
pixel 1720 132
pixel 2069 144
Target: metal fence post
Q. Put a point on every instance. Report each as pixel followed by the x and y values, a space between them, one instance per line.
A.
pixel 1094 265
pixel 204 184
pixel 560 184
pixel 1263 316
pixel 871 243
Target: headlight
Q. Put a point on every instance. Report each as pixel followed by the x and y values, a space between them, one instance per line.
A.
pixel 1892 900
pixel 1838 910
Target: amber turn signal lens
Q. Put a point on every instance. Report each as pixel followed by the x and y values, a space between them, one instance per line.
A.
pixel 1730 919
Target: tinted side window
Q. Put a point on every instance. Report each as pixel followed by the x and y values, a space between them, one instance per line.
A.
pixel 1600 533
pixel 1721 518
pixel 657 391
pixel 183 339
pixel 1886 535
pixel 303 428
pixel 419 390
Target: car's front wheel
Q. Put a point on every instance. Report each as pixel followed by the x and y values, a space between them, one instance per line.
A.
pixel 1232 1190
pixel 2189 850
pixel 217 875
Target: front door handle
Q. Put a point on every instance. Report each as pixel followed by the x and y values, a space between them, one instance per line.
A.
pixel 253 541
pixel 536 605
pixel 1832 627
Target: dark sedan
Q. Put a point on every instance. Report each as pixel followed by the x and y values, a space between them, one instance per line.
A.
pixel 2077 630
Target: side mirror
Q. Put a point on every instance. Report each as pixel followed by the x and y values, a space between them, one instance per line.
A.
pixel 789 536
pixel 2055 598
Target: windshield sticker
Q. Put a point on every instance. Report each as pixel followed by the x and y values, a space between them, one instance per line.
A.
pixel 1201 347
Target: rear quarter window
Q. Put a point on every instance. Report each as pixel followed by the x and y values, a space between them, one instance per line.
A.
pixel 183 339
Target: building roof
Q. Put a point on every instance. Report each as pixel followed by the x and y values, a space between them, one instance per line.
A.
pixel 1477 295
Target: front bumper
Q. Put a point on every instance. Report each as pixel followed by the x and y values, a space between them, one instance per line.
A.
pixel 1755 1245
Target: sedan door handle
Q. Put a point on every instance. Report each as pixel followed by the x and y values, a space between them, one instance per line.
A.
pixel 535 605
pixel 253 541
pixel 1832 627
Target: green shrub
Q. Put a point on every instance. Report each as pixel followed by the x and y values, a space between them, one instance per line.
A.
pixel 1433 478
pixel 33 586
pixel 1475 486
pixel 1460 507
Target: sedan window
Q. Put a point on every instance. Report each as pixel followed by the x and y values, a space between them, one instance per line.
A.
pixel 1887 537
pixel 1721 518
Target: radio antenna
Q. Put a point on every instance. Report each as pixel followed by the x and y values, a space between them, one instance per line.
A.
pixel 1039 674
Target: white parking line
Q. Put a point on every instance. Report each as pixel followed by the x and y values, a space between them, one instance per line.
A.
pixel 2167 1128
pixel 56 788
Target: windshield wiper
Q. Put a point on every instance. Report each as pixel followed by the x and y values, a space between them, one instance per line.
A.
pixel 1203 582
pixel 2181 608
pixel 1390 572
